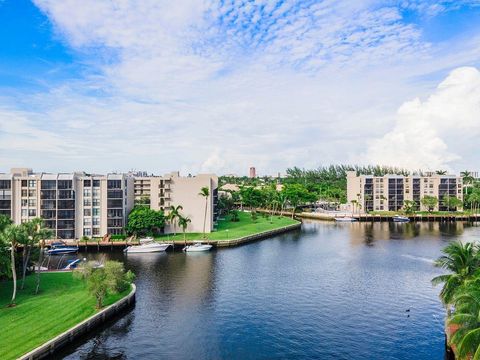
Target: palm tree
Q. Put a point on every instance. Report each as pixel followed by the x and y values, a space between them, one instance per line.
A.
pixel 205 192
pixel 467 310
pixel 32 231
pixel 13 234
pixel 441 172
pixel 173 216
pixel 183 222
pixel 43 234
pixel 462 261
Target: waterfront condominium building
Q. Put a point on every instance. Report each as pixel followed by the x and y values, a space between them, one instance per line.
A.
pixel 80 204
pixel 377 193
pixel 163 192
pixel 73 205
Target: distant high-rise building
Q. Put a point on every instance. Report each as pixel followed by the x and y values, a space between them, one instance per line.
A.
pixel 253 173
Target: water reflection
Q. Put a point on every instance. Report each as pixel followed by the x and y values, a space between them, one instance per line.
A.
pixel 329 291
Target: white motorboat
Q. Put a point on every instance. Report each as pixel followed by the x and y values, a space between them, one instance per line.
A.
pixel 345 219
pixel 399 218
pixel 197 246
pixel 147 245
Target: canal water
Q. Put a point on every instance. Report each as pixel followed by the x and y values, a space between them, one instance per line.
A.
pixel 327 291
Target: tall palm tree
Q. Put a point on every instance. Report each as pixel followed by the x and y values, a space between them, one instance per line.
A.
pixel 13 234
pixel 43 234
pixel 183 222
pixel 205 192
pixel 32 231
pixel 462 261
pixel 173 216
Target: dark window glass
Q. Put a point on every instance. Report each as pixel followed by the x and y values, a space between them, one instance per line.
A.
pixel 87 183
pixel 48 204
pixel 66 204
pixel 114 184
pixel 66 214
pixel 114 194
pixel 64 184
pixel 114 203
pixel 112 213
pixel 5 184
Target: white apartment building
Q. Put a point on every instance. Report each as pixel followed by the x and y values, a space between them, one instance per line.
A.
pixel 169 190
pixel 388 193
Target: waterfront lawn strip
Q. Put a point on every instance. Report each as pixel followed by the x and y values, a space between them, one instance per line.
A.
pixel 62 303
pixel 245 227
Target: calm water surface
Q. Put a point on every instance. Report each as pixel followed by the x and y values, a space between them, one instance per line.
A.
pixel 328 291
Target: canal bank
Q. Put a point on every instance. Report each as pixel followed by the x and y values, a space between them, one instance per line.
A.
pixel 386 218
pixel 49 348
pixel 63 302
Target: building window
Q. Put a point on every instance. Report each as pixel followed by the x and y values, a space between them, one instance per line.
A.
pixel 32 183
pixel 96 221
pixel 96 183
pixel 24 193
pixel 87 221
pixel 24 183
pixel 96 231
pixel 87 231
pixel 87 183
pixel 32 212
pixel 96 202
pixel 24 202
pixel 32 202
pixel 87 192
pixel 96 192
pixel 87 202
pixel 24 212
pixel 87 212
pixel 32 193
pixel 96 212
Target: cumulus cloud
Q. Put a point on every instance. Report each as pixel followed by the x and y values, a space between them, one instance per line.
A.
pixel 430 134
pixel 219 86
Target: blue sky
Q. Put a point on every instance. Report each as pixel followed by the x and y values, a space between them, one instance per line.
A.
pixel 223 85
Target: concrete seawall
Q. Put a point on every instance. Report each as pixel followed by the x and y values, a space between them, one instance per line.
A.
pixel 51 346
pixel 256 237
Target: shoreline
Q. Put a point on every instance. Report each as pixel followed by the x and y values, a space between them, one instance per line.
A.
pixel 53 345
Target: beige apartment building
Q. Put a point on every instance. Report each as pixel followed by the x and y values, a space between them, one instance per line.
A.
pixel 388 193
pixel 72 204
pixel 80 204
pixel 163 192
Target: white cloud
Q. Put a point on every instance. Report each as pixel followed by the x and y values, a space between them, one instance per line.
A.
pixel 202 85
pixel 429 134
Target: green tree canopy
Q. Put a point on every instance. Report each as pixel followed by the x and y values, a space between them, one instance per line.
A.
pixel 429 202
pixel 145 221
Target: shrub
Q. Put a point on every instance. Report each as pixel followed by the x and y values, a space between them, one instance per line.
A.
pixel 111 278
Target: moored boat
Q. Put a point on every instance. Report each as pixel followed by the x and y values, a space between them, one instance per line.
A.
pixel 197 246
pixel 147 245
pixel 60 248
pixel 345 219
pixel 399 218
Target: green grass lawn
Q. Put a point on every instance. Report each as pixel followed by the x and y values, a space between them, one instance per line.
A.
pixel 63 302
pixel 246 226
